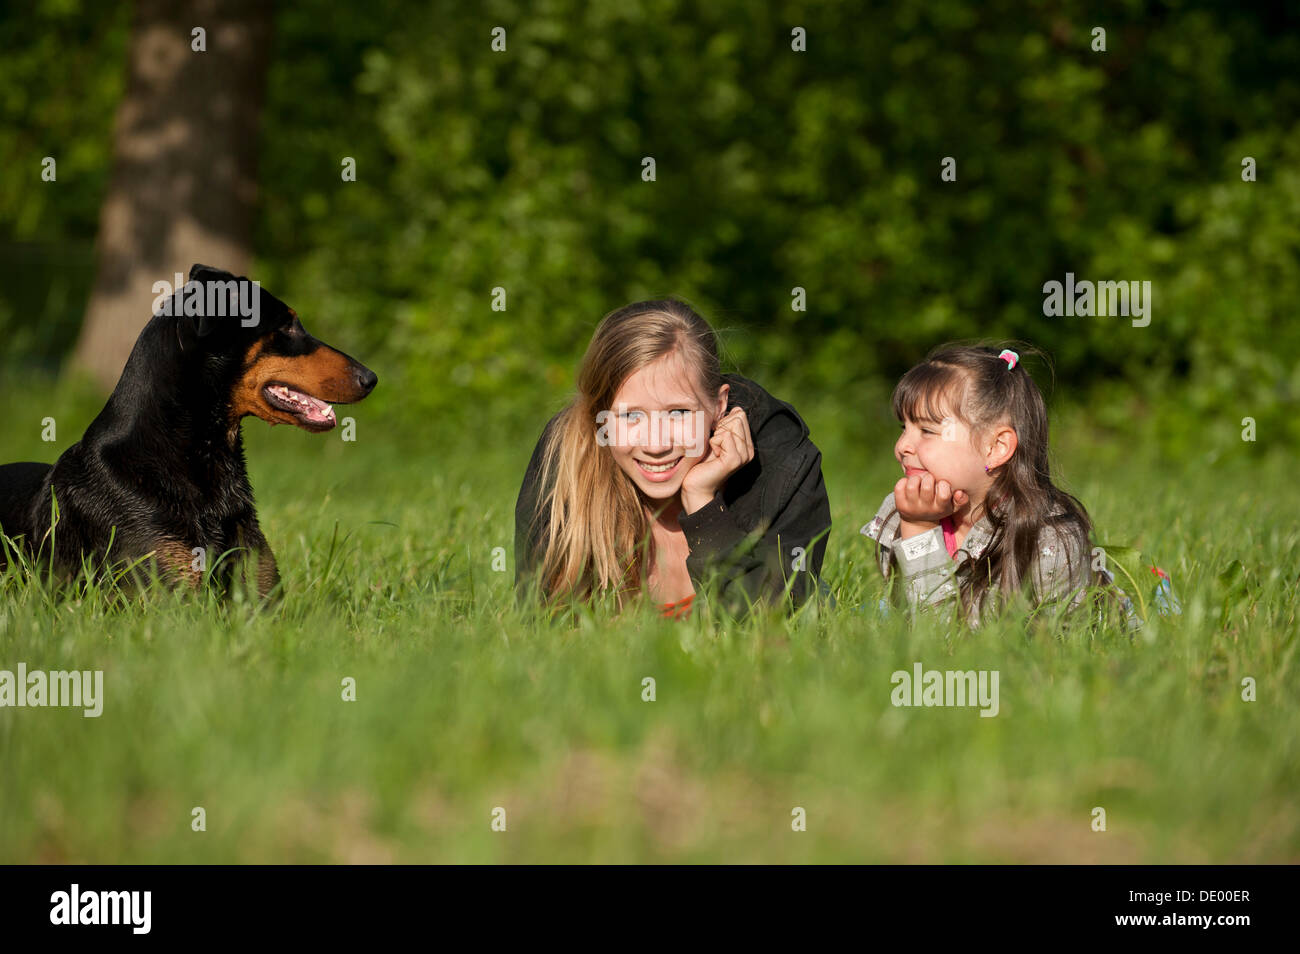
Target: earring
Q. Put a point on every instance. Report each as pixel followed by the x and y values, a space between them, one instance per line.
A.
pixel 986 468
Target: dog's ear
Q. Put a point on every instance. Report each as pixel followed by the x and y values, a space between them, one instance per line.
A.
pixel 190 328
pixel 202 273
pixel 204 325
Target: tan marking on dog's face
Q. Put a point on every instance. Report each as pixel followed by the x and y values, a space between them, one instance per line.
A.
pixel 247 396
pixel 325 374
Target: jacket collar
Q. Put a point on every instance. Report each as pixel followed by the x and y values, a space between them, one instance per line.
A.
pixel 981 534
pixel 759 405
pixel 974 545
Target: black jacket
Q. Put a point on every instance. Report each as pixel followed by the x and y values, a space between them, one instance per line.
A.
pixel 765 528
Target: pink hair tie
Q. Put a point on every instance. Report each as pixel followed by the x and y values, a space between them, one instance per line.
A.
pixel 1010 357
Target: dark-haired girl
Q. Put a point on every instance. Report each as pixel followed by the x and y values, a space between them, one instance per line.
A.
pixel 975 516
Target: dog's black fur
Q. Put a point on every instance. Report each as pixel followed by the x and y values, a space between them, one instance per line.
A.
pixel 161 470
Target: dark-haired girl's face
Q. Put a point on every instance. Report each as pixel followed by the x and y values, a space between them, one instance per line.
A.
pixel 659 427
pixel 943 448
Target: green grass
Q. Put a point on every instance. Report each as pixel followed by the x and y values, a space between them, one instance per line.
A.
pixel 465 702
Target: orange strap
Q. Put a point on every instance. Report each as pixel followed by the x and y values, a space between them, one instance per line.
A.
pixel 678 610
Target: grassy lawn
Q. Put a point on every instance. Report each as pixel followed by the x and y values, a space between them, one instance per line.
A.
pixel 465 703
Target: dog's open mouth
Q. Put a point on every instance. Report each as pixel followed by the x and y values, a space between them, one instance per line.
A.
pixel 311 413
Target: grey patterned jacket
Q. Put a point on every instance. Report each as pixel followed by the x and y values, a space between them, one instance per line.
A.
pixel 930 578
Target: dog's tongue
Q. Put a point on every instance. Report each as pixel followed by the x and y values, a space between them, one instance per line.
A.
pixel 312 409
pixel 317 411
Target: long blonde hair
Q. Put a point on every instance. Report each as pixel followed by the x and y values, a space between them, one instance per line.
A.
pixel 597 534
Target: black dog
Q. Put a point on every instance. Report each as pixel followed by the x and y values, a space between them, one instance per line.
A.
pixel 160 473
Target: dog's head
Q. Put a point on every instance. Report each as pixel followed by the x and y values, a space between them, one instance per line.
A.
pixel 275 369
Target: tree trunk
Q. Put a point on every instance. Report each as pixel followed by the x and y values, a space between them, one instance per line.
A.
pixel 184 171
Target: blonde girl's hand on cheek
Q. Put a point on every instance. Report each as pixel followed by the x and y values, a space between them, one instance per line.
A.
pixel 730 448
pixel 923 501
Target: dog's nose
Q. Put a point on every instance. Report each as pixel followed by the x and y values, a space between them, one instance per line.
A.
pixel 366 379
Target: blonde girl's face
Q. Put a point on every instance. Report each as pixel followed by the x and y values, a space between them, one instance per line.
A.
pixel 659 428
pixel 943 448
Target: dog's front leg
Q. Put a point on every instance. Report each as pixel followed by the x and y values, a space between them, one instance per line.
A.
pixel 263 571
pixel 268 575
pixel 179 564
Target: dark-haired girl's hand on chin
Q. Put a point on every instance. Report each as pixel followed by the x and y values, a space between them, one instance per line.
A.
pixel 730 448
pixel 923 501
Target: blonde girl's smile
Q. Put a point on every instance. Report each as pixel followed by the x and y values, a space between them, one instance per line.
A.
pixel 662 471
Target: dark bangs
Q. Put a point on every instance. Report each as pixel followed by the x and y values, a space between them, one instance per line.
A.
pixel 929 392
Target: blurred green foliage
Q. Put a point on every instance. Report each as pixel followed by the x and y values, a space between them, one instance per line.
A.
pixel 62 73
pixel 775 169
